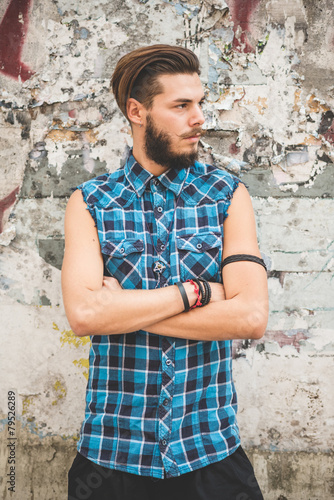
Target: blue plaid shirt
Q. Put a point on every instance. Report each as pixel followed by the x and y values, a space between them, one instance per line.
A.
pixel 159 406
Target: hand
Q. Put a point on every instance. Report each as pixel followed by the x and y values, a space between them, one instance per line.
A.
pixel 218 292
pixel 111 283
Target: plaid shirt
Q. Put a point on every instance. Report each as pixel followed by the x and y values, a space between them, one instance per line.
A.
pixel 159 406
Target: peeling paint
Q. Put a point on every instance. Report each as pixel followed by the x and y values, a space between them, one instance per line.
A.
pixel 67 337
pixel 60 392
pixel 84 364
pixel 268 72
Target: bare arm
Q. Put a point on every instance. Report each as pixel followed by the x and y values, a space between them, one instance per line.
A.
pixel 97 306
pixel 244 313
pixel 93 306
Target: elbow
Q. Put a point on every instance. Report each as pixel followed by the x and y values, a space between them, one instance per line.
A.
pixel 257 323
pixel 81 322
pixel 258 331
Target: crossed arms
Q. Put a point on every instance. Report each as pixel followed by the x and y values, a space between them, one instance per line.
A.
pixel 97 305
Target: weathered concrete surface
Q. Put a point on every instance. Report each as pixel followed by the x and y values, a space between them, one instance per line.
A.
pixel 267 69
pixel 282 476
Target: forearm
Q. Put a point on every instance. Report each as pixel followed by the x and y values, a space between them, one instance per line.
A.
pixel 235 318
pixel 108 311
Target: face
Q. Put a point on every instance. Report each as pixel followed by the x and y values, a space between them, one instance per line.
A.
pixel 174 123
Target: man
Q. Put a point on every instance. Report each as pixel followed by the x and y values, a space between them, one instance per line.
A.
pixel 142 274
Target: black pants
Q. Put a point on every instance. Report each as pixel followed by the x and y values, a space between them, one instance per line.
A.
pixel 230 479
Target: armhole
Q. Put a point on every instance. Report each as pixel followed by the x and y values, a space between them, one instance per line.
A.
pixel 89 206
pixel 235 184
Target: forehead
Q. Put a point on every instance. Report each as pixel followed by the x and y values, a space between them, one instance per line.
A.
pixel 180 86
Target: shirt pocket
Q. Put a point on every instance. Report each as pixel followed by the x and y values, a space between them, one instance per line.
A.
pixel 200 255
pixel 122 260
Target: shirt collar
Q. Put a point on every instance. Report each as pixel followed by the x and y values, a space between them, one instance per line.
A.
pixel 173 179
pixel 139 177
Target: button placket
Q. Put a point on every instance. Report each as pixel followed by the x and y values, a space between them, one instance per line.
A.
pixel 162 227
pixel 165 401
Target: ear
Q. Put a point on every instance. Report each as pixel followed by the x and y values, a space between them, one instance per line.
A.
pixel 135 111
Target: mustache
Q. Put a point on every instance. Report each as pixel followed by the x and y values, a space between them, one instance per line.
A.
pixel 195 131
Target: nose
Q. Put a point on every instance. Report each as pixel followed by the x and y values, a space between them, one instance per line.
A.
pixel 197 117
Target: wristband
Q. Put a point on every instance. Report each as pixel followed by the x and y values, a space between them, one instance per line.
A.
pixel 202 290
pixel 207 287
pixel 198 302
pixel 183 295
pixel 242 256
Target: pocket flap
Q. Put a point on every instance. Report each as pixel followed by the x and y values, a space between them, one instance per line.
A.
pixel 199 242
pixel 121 248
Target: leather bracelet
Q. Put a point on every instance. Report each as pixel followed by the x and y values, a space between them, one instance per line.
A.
pixel 207 287
pixel 243 256
pixel 184 295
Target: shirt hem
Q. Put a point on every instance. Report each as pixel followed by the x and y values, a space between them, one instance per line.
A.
pixel 182 469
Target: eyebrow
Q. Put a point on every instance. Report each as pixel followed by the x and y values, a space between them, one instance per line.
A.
pixel 181 99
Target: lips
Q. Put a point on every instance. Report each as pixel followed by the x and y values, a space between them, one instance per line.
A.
pixel 193 136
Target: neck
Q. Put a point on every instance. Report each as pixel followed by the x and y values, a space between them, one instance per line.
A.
pixel 149 165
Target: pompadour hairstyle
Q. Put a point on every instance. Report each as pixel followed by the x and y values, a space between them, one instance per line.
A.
pixel 136 74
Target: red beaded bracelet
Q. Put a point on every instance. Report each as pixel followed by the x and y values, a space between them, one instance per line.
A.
pixel 196 288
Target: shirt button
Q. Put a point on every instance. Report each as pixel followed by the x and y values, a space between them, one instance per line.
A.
pixel 165 402
pixel 164 442
pixel 166 284
pixel 199 245
pixel 155 182
pixel 160 209
pixel 122 250
pixel 162 247
pixel 168 362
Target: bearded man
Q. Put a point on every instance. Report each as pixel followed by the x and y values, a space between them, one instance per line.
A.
pixel 162 269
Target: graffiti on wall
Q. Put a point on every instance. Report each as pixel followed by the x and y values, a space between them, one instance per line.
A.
pixel 241 12
pixel 13 31
pixel 6 203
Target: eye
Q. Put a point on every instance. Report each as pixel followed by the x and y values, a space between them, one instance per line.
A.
pixel 181 106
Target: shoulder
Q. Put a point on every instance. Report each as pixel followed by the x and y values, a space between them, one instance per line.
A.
pixel 103 190
pixel 207 183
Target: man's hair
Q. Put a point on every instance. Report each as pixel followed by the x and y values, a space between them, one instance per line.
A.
pixel 136 74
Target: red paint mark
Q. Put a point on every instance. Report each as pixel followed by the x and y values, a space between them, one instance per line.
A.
pixel 234 149
pixel 72 113
pixel 13 30
pixel 282 339
pixel 5 203
pixel 329 135
pixel 241 12
pixel 326 128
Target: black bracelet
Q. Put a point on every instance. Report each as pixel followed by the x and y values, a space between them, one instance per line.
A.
pixel 183 295
pixel 207 291
pixel 242 256
pixel 201 290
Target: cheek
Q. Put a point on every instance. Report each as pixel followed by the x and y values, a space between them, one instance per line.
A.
pixel 171 123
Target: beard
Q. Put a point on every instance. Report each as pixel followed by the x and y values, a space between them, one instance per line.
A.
pixel 158 147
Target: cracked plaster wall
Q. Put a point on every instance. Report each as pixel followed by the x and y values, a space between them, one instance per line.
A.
pixel 268 72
